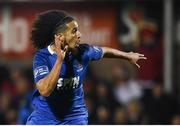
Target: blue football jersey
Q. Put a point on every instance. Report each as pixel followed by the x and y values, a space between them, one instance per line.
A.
pixel 67 99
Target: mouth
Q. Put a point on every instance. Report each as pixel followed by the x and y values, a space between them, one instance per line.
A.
pixel 77 43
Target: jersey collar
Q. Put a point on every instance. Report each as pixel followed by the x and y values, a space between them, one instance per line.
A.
pixel 50 50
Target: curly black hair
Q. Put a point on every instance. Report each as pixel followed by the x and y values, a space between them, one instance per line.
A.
pixel 45 26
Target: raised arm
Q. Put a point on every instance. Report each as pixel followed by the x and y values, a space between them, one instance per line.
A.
pixel 48 83
pixel 130 56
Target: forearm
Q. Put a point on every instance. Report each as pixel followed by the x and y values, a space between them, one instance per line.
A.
pixel 114 53
pixel 48 83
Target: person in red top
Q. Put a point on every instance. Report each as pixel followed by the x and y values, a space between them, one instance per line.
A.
pixel 152 48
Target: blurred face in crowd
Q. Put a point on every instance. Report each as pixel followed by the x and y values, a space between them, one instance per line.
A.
pixel 5 98
pixel 89 104
pixel 133 108
pixel 148 35
pixel 176 120
pixel 22 86
pixel 157 90
pixel 148 39
pixel 71 35
pixel 103 114
pixel 102 89
pixel 120 116
pixel 11 116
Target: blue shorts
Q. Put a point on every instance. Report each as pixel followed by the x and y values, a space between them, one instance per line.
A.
pixel 40 119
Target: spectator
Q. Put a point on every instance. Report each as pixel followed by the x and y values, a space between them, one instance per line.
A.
pixel 176 120
pixel 103 95
pixel 152 48
pixel 159 107
pixel 91 109
pixel 103 115
pixel 135 115
pixel 23 97
pixel 5 100
pixel 11 116
pixel 126 90
pixel 120 116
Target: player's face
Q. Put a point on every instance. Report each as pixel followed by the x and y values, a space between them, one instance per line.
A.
pixel 72 35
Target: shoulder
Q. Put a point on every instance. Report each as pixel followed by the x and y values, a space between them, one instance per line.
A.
pixel 89 48
pixel 41 55
pixel 83 50
pixel 84 47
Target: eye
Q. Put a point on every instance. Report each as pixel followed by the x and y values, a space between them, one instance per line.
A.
pixel 74 30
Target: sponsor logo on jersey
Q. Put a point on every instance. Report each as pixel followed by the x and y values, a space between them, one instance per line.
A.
pixel 96 48
pixel 68 83
pixel 41 70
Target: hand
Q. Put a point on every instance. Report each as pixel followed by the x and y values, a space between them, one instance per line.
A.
pixel 134 57
pixel 58 42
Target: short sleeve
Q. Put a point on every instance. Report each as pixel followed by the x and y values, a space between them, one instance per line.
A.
pixel 40 68
pixel 94 52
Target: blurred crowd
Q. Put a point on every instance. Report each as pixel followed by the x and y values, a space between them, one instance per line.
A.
pixel 124 101
pixel 16 88
pixel 120 99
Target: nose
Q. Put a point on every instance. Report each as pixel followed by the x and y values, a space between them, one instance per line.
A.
pixel 78 34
